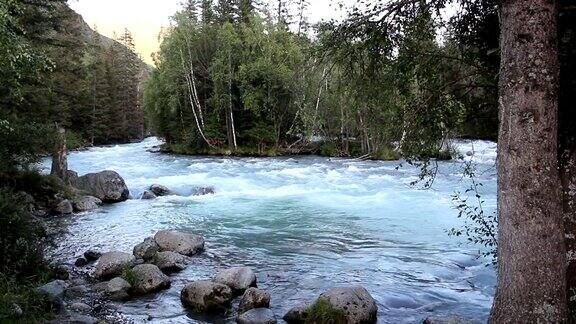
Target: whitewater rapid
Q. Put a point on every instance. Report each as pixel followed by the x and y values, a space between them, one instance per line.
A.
pixel 304 224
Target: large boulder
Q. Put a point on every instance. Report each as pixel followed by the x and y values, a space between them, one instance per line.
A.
pixel 64 207
pixel 355 303
pixel 170 261
pixel 206 297
pixel 54 292
pixel 183 243
pixel 148 278
pixel 86 203
pixel 297 314
pixel 160 190
pixel 257 316
pixel 237 278
pixel 115 289
pixel 254 298
pixel 112 264
pixel 107 186
pixel 146 250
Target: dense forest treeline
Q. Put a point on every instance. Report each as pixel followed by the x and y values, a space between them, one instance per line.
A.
pixel 55 69
pixel 241 77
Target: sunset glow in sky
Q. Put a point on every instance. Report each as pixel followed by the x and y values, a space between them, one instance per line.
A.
pixel 145 18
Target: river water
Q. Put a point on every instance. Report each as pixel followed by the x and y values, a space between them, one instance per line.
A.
pixel 304 224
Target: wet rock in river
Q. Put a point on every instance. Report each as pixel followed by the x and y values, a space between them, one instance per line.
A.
pixel 203 191
pixel 355 303
pixel 115 289
pixel 206 297
pixel 147 195
pixel 257 316
pixel 254 298
pixel 183 243
pixel 107 186
pixel 81 262
pixel 92 255
pixel 170 261
pixel 86 203
pixel 160 190
pixel 237 278
pixel 147 249
pixel 297 314
pixel 148 278
pixel 447 320
pixel 113 263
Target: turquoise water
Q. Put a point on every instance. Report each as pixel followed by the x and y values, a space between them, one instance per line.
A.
pixel 304 224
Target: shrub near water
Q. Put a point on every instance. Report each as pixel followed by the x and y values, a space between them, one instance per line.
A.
pixel 21 261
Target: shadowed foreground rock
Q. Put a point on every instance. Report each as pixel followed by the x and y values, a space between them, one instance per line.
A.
pixel 146 250
pixel 148 278
pixel 257 316
pixel 297 314
pixel 112 264
pixel 206 297
pixel 254 298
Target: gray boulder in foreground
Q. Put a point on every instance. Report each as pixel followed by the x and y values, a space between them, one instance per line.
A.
pixel 170 261
pixel 447 320
pixel 54 291
pixel 183 243
pixel 237 278
pixel 115 289
pixel 64 207
pixel 149 278
pixel 257 316
pixel 107 186
pixel 113 263
pixel 355 302
pixel 254 298
pixel 206 297
pixel 86 203
pixel 146 250
pixel 297 314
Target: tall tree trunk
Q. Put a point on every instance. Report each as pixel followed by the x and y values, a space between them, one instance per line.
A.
pixel 567 140
pixel 532 262
pixel 59 156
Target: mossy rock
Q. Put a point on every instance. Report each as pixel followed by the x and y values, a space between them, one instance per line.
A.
pixel 322 312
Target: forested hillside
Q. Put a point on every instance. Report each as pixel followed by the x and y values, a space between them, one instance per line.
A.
pixel 238 77
pixel 58 70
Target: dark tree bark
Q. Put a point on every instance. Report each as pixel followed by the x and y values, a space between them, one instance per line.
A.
pixel 59 156
pixel 532 261
pixel 567 140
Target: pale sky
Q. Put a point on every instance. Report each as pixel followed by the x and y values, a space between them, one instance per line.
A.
pixel 145 18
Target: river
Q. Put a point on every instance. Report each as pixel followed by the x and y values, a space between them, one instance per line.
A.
pixel 304 224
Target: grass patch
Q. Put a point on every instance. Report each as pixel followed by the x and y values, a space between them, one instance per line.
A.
pixel 14 294
pixel 322 312
pixel 130 276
